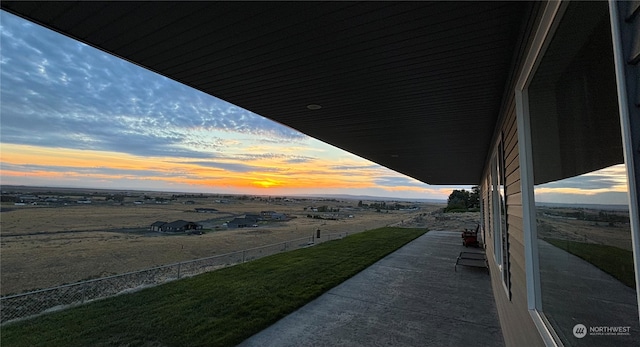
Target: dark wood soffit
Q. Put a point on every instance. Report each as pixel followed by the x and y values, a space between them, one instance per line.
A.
pixel 413 86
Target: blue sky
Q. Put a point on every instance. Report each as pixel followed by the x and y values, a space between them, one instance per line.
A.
pixel 75 116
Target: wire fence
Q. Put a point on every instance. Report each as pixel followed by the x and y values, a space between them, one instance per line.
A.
pixel 31 304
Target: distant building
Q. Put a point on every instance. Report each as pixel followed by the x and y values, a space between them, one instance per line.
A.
pixel 267 214
pixel 255 217
pixel 177 226
pixel 242 223
pixel 28 198
pixel 206 210
pixel 157 226
pixel 279 216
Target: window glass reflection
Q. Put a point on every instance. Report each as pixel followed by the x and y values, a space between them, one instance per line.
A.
pixel 582 217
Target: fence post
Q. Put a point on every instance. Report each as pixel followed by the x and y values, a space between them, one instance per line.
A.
pixel 84 293
pixel 243 256
pixel 179 265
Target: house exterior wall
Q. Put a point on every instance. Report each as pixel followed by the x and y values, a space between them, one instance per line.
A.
pixel 511 300
pixel 513 294
pixel 517 326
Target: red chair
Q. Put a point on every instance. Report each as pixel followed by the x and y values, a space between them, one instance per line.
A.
pixel 470 237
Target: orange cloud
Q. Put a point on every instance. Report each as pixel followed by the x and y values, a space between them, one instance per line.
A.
pixel 268 173
pixel 263 175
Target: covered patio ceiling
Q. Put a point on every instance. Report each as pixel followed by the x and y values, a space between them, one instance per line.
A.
pixel 414 86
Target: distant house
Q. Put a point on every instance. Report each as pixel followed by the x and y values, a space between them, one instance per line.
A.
pixel 177 226
pixel 206 210
pixel 267 214
pixel 255 217
pixel 189 202
pixel 157 226
pixel 279 216
pixel 242 223
pixel 28 198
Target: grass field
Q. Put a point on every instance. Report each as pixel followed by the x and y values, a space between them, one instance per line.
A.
pixel 612 260
pixel 46 246
pixel 221 308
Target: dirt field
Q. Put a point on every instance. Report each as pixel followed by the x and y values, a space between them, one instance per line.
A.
pixel 45 246
pixel 616 234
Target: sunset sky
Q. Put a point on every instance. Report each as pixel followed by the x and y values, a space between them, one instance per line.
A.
pixel 73 116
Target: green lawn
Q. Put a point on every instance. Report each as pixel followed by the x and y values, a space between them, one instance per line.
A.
pixel 613 260
pixel 220 308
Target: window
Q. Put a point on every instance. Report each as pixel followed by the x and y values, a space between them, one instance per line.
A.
pixel 487 202
pixel 495 203
pixel 501 234
pixel 504 232
pixel 581 220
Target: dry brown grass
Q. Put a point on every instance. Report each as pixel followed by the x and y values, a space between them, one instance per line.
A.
pixel 43 247
pixel 618 235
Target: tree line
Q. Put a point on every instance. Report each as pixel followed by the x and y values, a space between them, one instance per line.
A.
pixel 464 200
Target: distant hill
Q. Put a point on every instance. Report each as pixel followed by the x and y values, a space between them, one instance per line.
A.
pixel 586 206
pixel 371 198
pixel 78 190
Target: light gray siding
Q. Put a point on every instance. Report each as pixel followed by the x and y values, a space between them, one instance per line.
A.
pixel 517 326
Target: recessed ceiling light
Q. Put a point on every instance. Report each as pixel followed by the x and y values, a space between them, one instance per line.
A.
pixel 314 107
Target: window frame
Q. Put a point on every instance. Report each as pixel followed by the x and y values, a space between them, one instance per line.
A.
pixel 495 206
pixel 550 19
pixel 503 216
pixel 500 224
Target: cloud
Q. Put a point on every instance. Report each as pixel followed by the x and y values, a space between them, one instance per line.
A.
pixel 102 171
pixel 277 157
pixel 74 115
pixel 233 167
pixel 613 198
pixel 356 167
pixel 58 92
pixel 395 181
pixel 607 186
pixel 585 182
pixel 612 178
pixel 299 160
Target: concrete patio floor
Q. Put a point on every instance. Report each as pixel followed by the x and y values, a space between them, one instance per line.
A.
pixel 603 300
pixel 412 297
